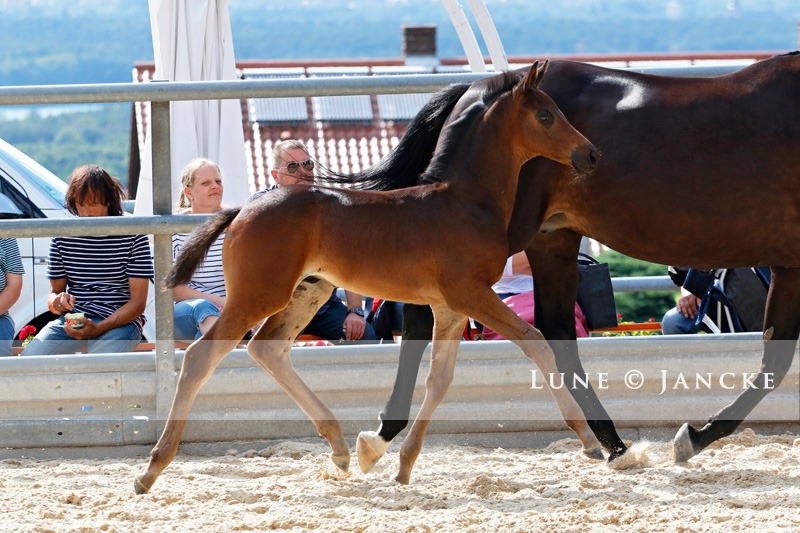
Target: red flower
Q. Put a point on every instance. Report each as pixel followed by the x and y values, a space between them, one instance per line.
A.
pixel 27 331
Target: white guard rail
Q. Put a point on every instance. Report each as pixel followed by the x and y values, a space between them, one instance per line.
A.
pixel 108 400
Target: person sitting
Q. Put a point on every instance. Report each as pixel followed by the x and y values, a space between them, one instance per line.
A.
pixel 106 278
pixel 11 271
pixel 335 320
pixel 515 288
pixel 725 300
pixel 199 303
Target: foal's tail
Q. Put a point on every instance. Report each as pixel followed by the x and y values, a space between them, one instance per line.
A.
pixel 403 166
pixel 196 247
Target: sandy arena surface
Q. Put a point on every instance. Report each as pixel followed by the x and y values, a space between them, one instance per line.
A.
pixel 744 482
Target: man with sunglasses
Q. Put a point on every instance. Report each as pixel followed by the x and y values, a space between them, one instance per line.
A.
pixel 335 320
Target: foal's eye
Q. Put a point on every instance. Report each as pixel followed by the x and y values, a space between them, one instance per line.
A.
pixel 545 117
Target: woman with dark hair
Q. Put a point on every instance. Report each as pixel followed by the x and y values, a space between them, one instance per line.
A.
pixel 98 284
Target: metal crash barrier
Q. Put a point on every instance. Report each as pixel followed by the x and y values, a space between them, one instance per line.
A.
pixel 657 381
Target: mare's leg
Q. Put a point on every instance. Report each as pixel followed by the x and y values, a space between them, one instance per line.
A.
pixel 555 277
pixel 448 326
pixel 417 333
pixel 199 362
pixel 781 329
pixel 486 307
pixel 271 348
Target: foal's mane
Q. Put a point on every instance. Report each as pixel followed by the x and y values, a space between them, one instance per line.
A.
pixel 403 166
pixel 453 135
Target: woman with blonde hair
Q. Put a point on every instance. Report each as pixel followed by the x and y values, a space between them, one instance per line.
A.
pixel 198 304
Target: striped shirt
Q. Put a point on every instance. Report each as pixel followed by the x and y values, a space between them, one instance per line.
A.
pixel 98 269
pixel 10 262
pixel 208 277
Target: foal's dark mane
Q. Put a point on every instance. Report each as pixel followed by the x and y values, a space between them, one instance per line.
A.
pixel 453 135
pixel 406 165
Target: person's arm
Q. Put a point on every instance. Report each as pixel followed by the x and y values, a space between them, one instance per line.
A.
pixel 354 325
pixel 126 313
pixel 184 292
pixel 520 264
pixel 10 294
pixel 59 301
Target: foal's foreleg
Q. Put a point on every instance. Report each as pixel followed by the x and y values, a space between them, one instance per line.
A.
pixel 271 348
pixel 199 362
pixel 487 308
pixel 448 326
pixel 782 327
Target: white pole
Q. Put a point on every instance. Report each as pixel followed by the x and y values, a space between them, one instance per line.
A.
pixel 490 35
pixel 465 35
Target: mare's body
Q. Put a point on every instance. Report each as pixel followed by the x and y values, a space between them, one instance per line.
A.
pixel 284 253
pixel 700 172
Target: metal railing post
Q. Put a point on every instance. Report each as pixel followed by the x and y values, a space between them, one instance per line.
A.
pixel 162 250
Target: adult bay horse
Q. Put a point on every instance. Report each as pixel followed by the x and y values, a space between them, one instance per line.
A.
pixel 701 172
pixel 284 253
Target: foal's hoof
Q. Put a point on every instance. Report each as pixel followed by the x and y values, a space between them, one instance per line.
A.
pixel 342 461
pixel 370 447
pixel 402 478
pixel 139 488
pixel 682 446
pixel 595 454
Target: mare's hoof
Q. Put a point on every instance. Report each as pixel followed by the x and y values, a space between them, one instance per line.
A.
pixel 402 479
pixel 595 454
pixel 682 445
pixel 370 447
pixel 139 488
pixel 342 461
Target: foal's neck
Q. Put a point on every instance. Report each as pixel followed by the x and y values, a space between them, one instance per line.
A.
pixel 486 169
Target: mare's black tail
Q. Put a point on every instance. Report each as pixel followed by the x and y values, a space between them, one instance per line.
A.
pixel 196 247
pixel 407 161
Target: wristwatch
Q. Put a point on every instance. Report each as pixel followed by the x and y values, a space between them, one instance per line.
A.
pixel 356 310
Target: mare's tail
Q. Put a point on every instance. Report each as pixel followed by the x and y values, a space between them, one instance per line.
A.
pixel 196 247
pixel 403 166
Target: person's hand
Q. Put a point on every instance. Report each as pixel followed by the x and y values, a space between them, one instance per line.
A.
pixel 354 327
pixel 688 305
pixel 63 302
pixel 88 331
pixel 219 301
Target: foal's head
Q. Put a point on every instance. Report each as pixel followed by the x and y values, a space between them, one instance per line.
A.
pixel 544 131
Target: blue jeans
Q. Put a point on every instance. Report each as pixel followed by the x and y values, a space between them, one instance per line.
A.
pixel 189 314
pixel 6 335
pixel 52 339
pixel 328 324
pixel 674 323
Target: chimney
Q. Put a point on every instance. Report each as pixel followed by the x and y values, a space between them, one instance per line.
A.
pixel 419 45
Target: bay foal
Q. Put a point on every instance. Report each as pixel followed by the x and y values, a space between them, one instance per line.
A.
pixel 284 253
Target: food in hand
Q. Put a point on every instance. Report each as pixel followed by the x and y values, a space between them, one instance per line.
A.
pixel 74 320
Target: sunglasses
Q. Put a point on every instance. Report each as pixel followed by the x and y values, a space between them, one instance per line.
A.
pixel 294 166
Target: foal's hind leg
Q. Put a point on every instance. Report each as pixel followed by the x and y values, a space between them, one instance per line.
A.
pixel 271 348
pixel 199 362
pixel 486 307
pixel 447 329
pixel 417 334
pixel 781 329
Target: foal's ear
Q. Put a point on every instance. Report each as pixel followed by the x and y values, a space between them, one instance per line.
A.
pixel 535 75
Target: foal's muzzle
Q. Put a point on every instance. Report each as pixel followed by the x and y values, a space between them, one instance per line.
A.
pixel 585 158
